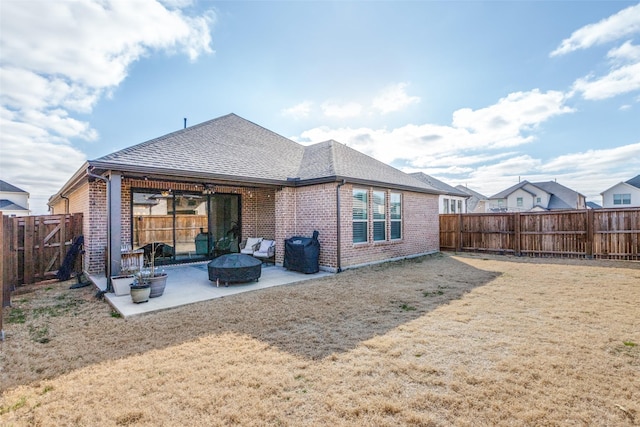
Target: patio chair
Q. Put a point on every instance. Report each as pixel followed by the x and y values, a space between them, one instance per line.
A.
pixel 266 251
pixel 249 246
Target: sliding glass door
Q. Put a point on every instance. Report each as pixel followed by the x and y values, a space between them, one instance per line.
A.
pixel 182 226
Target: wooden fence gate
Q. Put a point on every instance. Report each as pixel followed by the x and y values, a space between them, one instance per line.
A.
pixel 32 248
pixel 599 233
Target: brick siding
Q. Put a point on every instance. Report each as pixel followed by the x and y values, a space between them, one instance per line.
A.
pixel 276 214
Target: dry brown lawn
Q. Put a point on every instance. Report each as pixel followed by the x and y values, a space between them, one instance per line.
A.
pixel 439 340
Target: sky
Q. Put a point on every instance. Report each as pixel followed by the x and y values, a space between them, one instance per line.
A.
pixel 478 93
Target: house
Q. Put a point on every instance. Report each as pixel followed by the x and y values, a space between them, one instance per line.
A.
pixel 13 200
pixel 623 195
pixel 451 200
pixel 536 196
pixel 198 192
pixel 476 203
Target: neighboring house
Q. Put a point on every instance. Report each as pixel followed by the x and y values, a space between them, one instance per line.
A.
pixel 13 201
pixel 536 196
pixel 593 205
pixel 476 203
pixel 623 195
pixel 201 190
pixel 451 200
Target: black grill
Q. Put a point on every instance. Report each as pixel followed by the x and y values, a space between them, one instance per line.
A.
pixel 302 254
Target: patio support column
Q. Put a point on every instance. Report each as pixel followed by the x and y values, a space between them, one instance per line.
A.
pixel 285 205
pixel 115 222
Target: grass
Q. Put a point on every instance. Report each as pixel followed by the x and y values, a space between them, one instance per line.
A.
pixel 441 340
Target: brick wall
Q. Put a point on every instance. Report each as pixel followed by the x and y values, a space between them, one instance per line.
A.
pixel 420 229
pixel 95 242
pixel 276 214
pixel 300 211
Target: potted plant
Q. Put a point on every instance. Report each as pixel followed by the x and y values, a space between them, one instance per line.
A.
pixel 156 279
pixel 122 283
pixel 139 290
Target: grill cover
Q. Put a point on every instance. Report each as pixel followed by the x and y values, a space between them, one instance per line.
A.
pixel 302 254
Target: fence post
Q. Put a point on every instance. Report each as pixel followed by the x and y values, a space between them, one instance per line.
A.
pixel 516 234
pixel 590 234
pixel 459 233
pixel 2 275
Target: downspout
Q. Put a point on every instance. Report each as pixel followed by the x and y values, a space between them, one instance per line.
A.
pixel 108 250
pixel 66 203
pixel 338 226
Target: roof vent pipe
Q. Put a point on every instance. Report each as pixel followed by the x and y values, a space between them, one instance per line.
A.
pixel 185 122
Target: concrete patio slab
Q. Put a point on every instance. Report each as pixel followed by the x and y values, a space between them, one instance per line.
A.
pixel 188 284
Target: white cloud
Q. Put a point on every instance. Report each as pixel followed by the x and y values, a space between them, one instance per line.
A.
pixel 471 150
pixel 589 172
pixel 60 58
pixel 627 52
pixel 342 111
pixel 504 124
pixel 622 24
pixel 394 98
pixel 606 159
pixel 619 81
pixel 299 111
pixel 624 73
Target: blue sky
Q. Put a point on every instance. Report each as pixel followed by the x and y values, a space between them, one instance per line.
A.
pixel 476 93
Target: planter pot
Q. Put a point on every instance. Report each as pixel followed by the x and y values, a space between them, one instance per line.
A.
pixel 157 284
pixel 140 293
pixel 121 284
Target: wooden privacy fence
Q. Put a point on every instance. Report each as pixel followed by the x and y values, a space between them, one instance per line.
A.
pixel 601 233
pixel 33 248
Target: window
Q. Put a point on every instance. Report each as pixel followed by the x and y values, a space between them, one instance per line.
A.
pixel 519 202
pixel 383 216
pixel 360 218
pixel 538 200
pixel 622 199
pixel 460 206
pixel 379 215
pixel 396 215
pixel 446 205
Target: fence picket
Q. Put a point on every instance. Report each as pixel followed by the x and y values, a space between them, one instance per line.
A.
pixel 603 233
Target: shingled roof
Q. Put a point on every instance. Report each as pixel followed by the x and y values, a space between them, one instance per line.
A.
pixel 8 205
pixel 234 149
pixel 561 197
pixel 222 147
pixel 635 181
pixel 9 188
pixel 436 183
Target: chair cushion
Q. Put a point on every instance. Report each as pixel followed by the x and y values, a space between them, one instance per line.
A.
pixel 252 241
pixel 265 245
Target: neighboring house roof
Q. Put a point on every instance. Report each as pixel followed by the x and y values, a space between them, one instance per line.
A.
pixel 471 192
pixel 231 148
pixel 505 193
pixel 439 185
pixel 8 188
pixel 635 181
pixel 561 197
pixel 593 205
pixel 8 205
pixel 475 198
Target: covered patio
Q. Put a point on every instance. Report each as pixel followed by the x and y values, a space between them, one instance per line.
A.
pixel 189 283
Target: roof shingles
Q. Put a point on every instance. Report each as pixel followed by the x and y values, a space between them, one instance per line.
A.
pixel 235 148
